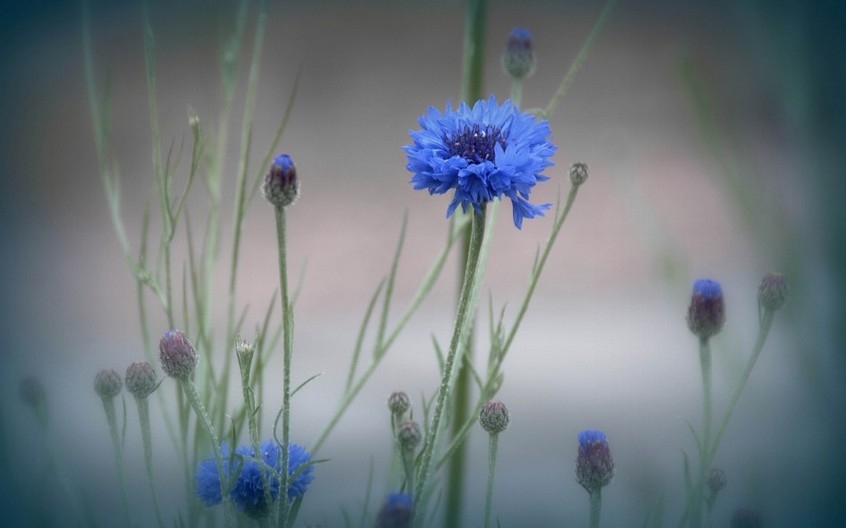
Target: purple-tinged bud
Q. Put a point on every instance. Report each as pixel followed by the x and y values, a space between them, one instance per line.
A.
pixel 32 391
pixel 519 59
pixel 396 512
pixel 281 187
pixel 773 291
pixel 409 435
pixel 594 465
pixel 141 379
pixel 108 384
pixel 707 312
pixel 716 480
pixel 177 355
pixel 746 518
pixel 494 417
pixel 578 174
pixel 399 403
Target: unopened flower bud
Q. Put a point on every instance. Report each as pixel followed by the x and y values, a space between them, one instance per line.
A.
pixel 399 403
pixel 707 312
pixel 746 518
pixel 107 384
pixel 244 351
pixel 281 187
pixel 409 435
pixel 32 391
pixel 141 379
pixel 494 417
pixel 716 480
pixel 594 465
pixel 578 174
pixel 519 60
pixel 177 355
pixel 773 291
pixel 396 512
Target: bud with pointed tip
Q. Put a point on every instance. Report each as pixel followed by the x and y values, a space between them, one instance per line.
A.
pixel 177 355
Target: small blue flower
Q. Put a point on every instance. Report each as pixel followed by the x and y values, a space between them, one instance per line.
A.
pixel 486 152
pixel 396 512
pixel 248 490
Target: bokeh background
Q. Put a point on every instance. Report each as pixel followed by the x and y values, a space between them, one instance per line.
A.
pixel 714 133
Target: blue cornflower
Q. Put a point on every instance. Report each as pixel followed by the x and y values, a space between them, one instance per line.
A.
pixel 396 512
pixel 248 490
pixel 486 152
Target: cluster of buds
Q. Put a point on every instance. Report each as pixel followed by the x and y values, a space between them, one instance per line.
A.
pixel 594 465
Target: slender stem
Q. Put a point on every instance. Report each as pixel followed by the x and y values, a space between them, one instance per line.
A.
pixel 517 91
pixel 407 456
pixel 595 507
pixel 492 445
pixel 194 399
pixel 244 361
pixel 463 315
pixel 144 419
pixel 705 367
pixel 111 417
pixel 288 342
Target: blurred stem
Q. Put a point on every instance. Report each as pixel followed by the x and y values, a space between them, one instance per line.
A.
pixel 471 90
pixel 464 314
pixel 111 417
pixel 704 461
pixel 144 419
pixel 595 507
pixel 492 445
pixel 517 91
pixel 287 342
pixel 197 404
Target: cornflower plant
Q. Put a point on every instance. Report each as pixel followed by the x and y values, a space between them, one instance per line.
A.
pixel 481 151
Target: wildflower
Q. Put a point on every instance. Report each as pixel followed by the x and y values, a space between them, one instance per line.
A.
pixel 399 403
pixel 177 355
pixel 281 187
pixel 141 379
pixel 409 435
pixel 707 311
pixel 108 384
pixel 248 490
pixel 773 291
pixel 578 174
pixel 494 417
pixel 594 465
pixel 396 512
pixel 519 60
pixel 486 152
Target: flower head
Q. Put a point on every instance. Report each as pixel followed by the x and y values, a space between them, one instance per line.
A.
pixel 409 435
pixel 396 512
pixel 248 490
pixel 107 383
pixel 578 173
pixel 518 59
pixel 494 417
pixel 485 152
pixel 773 291
pixel 141 379
pixel 177 355
pixel 399 403
pixel 707 311
pixel 594 465
pixel 281 187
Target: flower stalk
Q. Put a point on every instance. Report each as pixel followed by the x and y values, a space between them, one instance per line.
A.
pixel 460 329
pixel 288 342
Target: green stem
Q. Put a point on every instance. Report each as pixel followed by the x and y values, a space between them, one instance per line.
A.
pixel 595 507
pixel 144 419
pixel 244 362
pixel 194 399
pixel 492 445
pixel 463 316
pixel 111 417
pixel 288 342
pixel 705 365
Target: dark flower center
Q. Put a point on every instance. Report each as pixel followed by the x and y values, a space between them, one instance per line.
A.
pixel 476 143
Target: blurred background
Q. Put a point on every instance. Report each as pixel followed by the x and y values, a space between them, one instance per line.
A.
pixel 714 133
